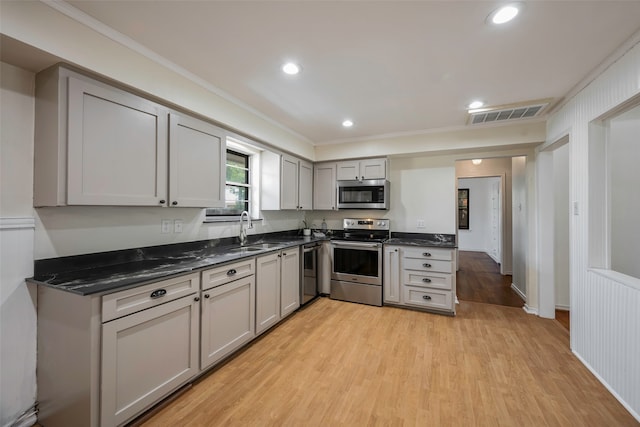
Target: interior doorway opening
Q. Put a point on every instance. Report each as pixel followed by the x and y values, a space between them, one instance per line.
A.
pixel 492 250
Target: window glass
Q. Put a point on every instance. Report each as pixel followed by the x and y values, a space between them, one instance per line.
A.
pixel 237 193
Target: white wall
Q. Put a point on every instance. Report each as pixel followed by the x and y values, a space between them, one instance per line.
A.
pixel 17 300
pixel 561 225
pixel 519 211
pixel 604 308
pixel 478 236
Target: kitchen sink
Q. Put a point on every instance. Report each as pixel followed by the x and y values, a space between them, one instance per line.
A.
pixel 255 248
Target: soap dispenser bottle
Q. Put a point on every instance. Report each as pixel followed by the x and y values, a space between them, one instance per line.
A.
pixel 324 226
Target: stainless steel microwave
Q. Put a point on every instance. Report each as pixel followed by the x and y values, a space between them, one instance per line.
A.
pixel 365 194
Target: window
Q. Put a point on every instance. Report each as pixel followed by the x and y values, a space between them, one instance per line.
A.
pixel 614 199
pixel 238 191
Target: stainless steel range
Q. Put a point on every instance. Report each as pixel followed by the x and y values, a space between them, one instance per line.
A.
pixel 356 270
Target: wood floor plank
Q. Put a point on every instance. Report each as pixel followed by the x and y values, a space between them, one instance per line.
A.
pixel 341 364
pixel 478 279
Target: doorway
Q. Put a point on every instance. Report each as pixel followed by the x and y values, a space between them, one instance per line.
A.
pixel 492 249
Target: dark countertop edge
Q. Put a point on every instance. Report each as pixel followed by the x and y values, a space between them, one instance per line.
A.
pixel 419 242
pixel 154 277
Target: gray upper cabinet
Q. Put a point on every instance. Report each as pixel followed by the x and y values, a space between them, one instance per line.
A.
pixel 362 169
pixel 96 144
pixel 197 153
pixel 324 186
pixel 287 182
pixel 117 147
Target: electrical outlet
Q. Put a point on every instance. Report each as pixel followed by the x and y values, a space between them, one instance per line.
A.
pixel 165 226
pixel 420 223
pixel 177 226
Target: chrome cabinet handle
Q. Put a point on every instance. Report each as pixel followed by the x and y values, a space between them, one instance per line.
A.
pixel 425 280
pixel 426 254
pixel 426 265
pixel 158 293
pixel 427 297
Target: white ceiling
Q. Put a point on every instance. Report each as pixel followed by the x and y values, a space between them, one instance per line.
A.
pixel 391 66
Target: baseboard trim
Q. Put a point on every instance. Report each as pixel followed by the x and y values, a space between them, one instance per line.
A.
pixel 562 307
pixel 633 413
pixel 530 310
pixel 519 292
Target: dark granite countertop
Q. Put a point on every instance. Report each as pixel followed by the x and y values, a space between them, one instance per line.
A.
pixel 423 239
pixel 116 270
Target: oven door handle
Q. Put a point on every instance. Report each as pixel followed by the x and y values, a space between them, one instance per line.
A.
pixel 356 245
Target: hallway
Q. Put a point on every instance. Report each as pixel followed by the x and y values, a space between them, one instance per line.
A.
pixel 479 280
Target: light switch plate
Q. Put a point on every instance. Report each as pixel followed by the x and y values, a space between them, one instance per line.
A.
pixel 420 223
pixel 177 226
pixel 165 226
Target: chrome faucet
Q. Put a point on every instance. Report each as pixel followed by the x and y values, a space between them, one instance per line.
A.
pixel 243 231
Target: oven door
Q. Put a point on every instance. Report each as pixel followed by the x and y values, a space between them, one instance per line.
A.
pixel 359 262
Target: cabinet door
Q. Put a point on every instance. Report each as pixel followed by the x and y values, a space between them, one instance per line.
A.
pixel 289 183
pixel 305 186
pixel 197 158
pixel 117 147
pixel 373 169
pixel 391 277
pixel 349 170
pixel 290 282
pixel 228 319
pixel 267 291
pixel 146 356
pixel 324 186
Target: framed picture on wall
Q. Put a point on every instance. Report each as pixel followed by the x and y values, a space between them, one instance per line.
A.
pixel 463 208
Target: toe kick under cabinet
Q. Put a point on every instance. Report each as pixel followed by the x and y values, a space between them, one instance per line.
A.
pixel 420 277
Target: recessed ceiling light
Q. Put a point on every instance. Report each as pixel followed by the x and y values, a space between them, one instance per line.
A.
pixel 475 104
pixel 504 14
pixel 476 161
pixel 291 68
pixel 347 123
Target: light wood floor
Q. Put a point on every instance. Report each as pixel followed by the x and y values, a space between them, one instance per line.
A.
pixel 342 364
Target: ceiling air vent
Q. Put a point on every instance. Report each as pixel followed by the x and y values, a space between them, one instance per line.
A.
pixel 507 112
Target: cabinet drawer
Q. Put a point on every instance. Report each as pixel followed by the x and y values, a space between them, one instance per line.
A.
pixel 428 298
pixel 427 265
pixel 132 300
pixel 427 280
pixel 227 273
pixel 428 253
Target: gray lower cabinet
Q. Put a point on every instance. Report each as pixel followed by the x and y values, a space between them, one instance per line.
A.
pixel 420 277
pixel 147 355
pixel 228 311
pixel 277 287
pixel 104 359
pixel 267 291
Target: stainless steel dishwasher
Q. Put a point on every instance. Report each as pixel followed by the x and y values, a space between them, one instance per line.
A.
pixel 309 282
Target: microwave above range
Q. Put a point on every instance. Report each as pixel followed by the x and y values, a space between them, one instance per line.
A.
pixel 365 194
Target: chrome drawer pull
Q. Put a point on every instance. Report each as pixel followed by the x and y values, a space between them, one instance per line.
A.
pixel 427 297
pixel 426 265
pixel 425 280
pixel 426 254
pixel 158 293
pixel 231 272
